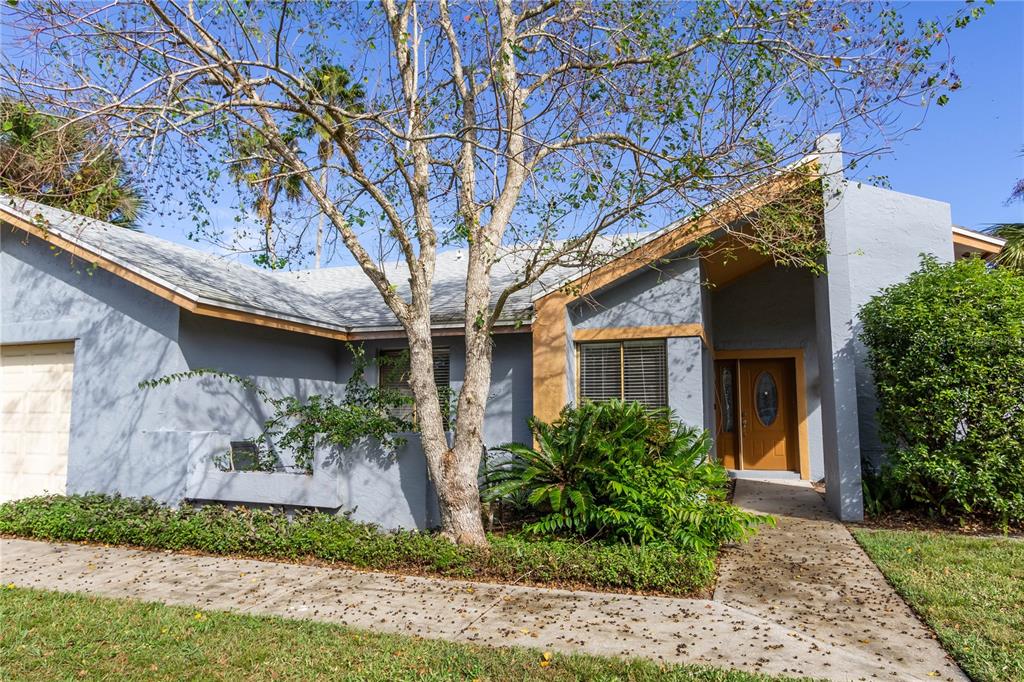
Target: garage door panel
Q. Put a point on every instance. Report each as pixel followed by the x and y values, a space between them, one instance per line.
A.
pixel 35 418
pixel 36 464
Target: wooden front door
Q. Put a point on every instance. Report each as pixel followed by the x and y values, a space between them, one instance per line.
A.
pixel 756 411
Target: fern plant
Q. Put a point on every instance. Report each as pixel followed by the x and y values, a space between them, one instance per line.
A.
pixel 620 470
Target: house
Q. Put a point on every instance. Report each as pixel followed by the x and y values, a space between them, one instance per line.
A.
pixel 766 357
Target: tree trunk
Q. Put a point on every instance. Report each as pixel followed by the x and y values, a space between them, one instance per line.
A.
pixel 453 469
pixel 459 497
pixel 320 221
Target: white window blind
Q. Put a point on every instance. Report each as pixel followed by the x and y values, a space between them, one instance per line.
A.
pixel 600 371
pixel 643 373
pixel 630 370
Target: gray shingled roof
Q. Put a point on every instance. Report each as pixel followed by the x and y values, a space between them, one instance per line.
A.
pixel 340 298
pixel 199 276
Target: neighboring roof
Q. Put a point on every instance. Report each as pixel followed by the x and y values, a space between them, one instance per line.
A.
pixel 972 240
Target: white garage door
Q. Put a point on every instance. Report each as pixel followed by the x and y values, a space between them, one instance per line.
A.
pixel 35 416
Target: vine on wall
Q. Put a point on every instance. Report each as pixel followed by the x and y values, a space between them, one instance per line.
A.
pixel 302 425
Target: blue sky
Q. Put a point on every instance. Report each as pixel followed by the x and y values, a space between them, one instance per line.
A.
pixel 968 153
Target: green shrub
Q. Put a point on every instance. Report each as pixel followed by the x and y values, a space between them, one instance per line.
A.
pixel 947 351
pixel 270 534
pixel 620 471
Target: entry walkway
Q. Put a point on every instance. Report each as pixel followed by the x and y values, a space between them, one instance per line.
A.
pixel 802 599
pixel 809 574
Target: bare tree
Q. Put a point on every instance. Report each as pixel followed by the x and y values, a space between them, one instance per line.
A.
pixel 507 127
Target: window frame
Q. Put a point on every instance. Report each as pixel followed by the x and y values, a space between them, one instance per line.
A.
pixel 621 343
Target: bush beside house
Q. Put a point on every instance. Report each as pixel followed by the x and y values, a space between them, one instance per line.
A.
pixel 620 472
pixel 946 348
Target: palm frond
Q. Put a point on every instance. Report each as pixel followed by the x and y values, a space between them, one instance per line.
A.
pixel 1012 254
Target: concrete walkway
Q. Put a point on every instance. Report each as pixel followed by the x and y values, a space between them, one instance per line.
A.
pixel 810 575
pixel 801 600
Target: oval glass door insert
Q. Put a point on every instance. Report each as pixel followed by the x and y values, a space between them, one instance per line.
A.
pixel 767 398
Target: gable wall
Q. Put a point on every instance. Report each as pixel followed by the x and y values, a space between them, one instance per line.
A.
pixel 666 294
pixel 669 293
pixel 122 334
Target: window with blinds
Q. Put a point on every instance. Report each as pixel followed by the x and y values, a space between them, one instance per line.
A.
pixel 394 375
pixel 628 370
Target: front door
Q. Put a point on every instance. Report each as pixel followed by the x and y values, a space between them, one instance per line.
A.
pixel 760 392
pixel 766 415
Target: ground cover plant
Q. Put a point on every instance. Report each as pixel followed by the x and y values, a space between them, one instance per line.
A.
pixel 270 534
pixel 54 636
pixel 970 590
pixel 620 471
pixel 947 354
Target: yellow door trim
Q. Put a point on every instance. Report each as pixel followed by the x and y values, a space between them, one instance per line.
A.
pixel 797 355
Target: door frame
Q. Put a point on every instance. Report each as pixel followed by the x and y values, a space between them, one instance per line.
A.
pixel 800 381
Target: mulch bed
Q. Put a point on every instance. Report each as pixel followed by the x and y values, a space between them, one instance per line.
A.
pixel 908 520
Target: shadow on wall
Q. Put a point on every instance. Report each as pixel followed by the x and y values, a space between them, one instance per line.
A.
pixel 872 450
pixel 391 491
pixel 669 294
pixel 686 390
pixel 844 485
pixel 389 488
pixel 121 333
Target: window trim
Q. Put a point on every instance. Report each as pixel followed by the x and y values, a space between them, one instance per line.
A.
pixel 578 366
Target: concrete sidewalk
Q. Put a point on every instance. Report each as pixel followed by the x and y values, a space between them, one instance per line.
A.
pixel 833 616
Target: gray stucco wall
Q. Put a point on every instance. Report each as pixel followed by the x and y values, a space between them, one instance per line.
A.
pixel 121 336
pixel 708 355
pixel 668 294
pixel 887 232
pixel 774 308
pixel 875 237
pixel 159 442
pixel 686 379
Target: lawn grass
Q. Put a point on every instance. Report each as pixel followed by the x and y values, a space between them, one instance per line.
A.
pixel 57 636
pixel 970 590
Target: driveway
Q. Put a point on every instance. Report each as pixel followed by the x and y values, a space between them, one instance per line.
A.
pixel 801 599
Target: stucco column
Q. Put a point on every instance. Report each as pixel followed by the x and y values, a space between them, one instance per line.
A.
pixel 686 386
pixel 834 313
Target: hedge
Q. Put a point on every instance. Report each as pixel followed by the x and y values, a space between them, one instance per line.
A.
pixel 946 349
pixel 270 534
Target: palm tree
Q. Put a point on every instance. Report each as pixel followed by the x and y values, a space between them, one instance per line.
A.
pixel 268 179
pixel 46 159
pixel 1012 255
pixel 331 84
